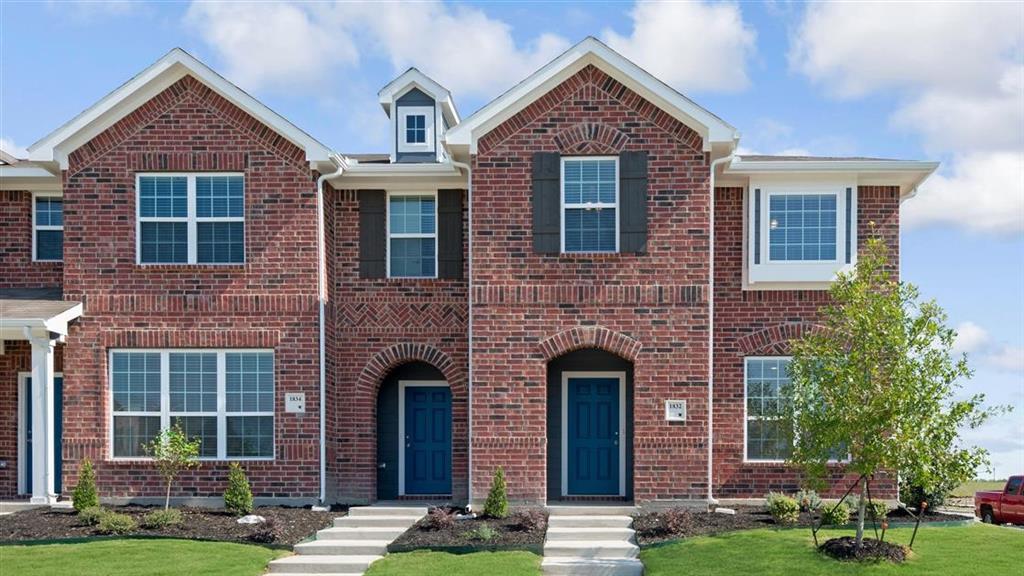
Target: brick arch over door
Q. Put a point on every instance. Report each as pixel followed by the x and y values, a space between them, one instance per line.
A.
pixel 590 337
pixel 591 138
pixel 774 340
pixel 393 356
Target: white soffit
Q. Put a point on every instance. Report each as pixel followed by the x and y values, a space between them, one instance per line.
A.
pixel 175 65
pixel 712 129
pixel 907 174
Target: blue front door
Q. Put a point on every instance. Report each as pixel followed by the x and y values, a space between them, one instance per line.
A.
pixel 593 436
pixel 58 432
pixel 428 440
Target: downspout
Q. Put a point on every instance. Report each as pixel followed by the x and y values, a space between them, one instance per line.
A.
pixel 711 329
pixel 469 352
pixel 321 282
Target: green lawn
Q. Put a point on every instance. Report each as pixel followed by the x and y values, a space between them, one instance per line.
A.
pixel 963 550
pixel 967 489
pixel 153 557
pixel 425 563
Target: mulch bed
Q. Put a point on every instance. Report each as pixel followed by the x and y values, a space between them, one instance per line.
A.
pixel 294 524
pixel 661 526
pixel 462 537
pixel 871 550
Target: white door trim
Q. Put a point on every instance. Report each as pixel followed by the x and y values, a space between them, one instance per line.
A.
pixel 565 424
pixel 402 385
pixel 24 484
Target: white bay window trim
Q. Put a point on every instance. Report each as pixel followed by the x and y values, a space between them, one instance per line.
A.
pixel 165 413
pixel 563 205
pixel 761 268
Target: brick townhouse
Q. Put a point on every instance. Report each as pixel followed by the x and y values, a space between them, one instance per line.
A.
pixel 583 282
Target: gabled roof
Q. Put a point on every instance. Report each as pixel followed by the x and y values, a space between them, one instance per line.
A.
pixel 591 51
pixel 413 78
pixel 7 159
pixel 175 65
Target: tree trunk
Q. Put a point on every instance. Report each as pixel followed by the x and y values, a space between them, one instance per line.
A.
pixel 167 500
pixel 861 505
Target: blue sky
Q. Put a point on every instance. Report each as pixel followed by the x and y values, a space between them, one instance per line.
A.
pixel 923 81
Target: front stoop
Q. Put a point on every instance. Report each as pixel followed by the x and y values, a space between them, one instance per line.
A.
pixel 352 544
pixel 591 540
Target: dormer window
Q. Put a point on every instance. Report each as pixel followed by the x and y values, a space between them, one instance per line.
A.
pixel 415 128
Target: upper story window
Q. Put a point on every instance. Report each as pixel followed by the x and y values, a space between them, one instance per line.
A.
pixel 225 398
pixel 768 431
pixel 48 229
pixel 415 128
pixel 800 231
pixel 412 235
pixel 191 219
pixel 590 202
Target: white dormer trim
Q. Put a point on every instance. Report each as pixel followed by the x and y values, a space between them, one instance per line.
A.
pixel 590 51
pixel 413 78
pixel 176 64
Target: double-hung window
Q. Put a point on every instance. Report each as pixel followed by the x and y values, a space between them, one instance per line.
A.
pixel 412 235
pixel 191 218
pixel 48 229
pixel 590 204
pixel 224 398
pixel 768 431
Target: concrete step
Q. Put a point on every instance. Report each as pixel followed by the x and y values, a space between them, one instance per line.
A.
pixel 606 534
pixel 307 564
pixel 590 510
pixel 592 567
pixel 591 549
pixel 601 521
pixel 364 533
pixel 384 521
pixel 362 511
pixel 343 547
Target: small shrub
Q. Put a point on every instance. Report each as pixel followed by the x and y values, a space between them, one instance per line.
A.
pixel 877 506
pixel 266 532
pixel 496 505
pixel 114 523
pixel 808 500
pixel 675 520
pixel 913 496
pixel 784 510
pixel 91 516
pixel 530 520
pixel 484 533
pixel 238 496
pixel 440 519
pixel 159 519
pixel 835 515
pixel 85 495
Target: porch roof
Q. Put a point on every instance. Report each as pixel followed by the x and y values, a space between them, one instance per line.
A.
pixel 42 310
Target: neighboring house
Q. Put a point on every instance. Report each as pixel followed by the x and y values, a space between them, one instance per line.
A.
pixel 548 286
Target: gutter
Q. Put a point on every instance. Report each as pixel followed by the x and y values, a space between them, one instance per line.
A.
pixel 469 351
pixel 711 328
pixel 321 282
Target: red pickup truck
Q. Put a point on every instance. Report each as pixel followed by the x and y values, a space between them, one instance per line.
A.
pixel 1006 507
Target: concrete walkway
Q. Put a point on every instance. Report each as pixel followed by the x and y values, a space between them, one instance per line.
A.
pixel 591 540
pixel 353 543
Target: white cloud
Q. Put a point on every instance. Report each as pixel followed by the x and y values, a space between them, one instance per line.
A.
pixel 1008 358
pixel 969 337
pixel 9 146
pixel 276 45
pixel 693 46
pixel 984 193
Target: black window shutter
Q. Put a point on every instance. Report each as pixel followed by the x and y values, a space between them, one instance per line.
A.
pixel 373 234
pixel 633 202
pixel 547 219
pixel 449 234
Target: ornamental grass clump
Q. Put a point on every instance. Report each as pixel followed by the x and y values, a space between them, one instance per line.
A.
pixel 114 523
pixel 158 519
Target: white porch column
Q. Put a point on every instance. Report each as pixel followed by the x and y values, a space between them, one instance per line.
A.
pixel 42 421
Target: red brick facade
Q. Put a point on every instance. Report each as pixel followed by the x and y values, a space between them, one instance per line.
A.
pixel 17 270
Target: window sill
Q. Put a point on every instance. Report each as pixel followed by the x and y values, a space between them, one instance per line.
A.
pixel 190 267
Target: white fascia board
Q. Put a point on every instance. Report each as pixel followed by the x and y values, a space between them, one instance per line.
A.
pixel 591 51
pixel 29 176
pixel 129 96
pixel 57 324
pixel 413 78
pixel 398 176
pixel 907 174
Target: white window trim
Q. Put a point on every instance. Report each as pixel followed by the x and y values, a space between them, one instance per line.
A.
pixel 798 271
pixel 621 376
pixel 563 206
pixel 390 236
pixel 428 124
pixel 36 227
pixel 165 400
pixel 402 385
pixel 192 218
pixel 747 418
pixel 24 393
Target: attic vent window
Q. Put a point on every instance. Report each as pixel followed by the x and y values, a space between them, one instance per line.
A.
pixel 416 129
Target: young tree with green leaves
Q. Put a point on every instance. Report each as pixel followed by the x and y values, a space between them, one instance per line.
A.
pixel 877 386
pixel 173 453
